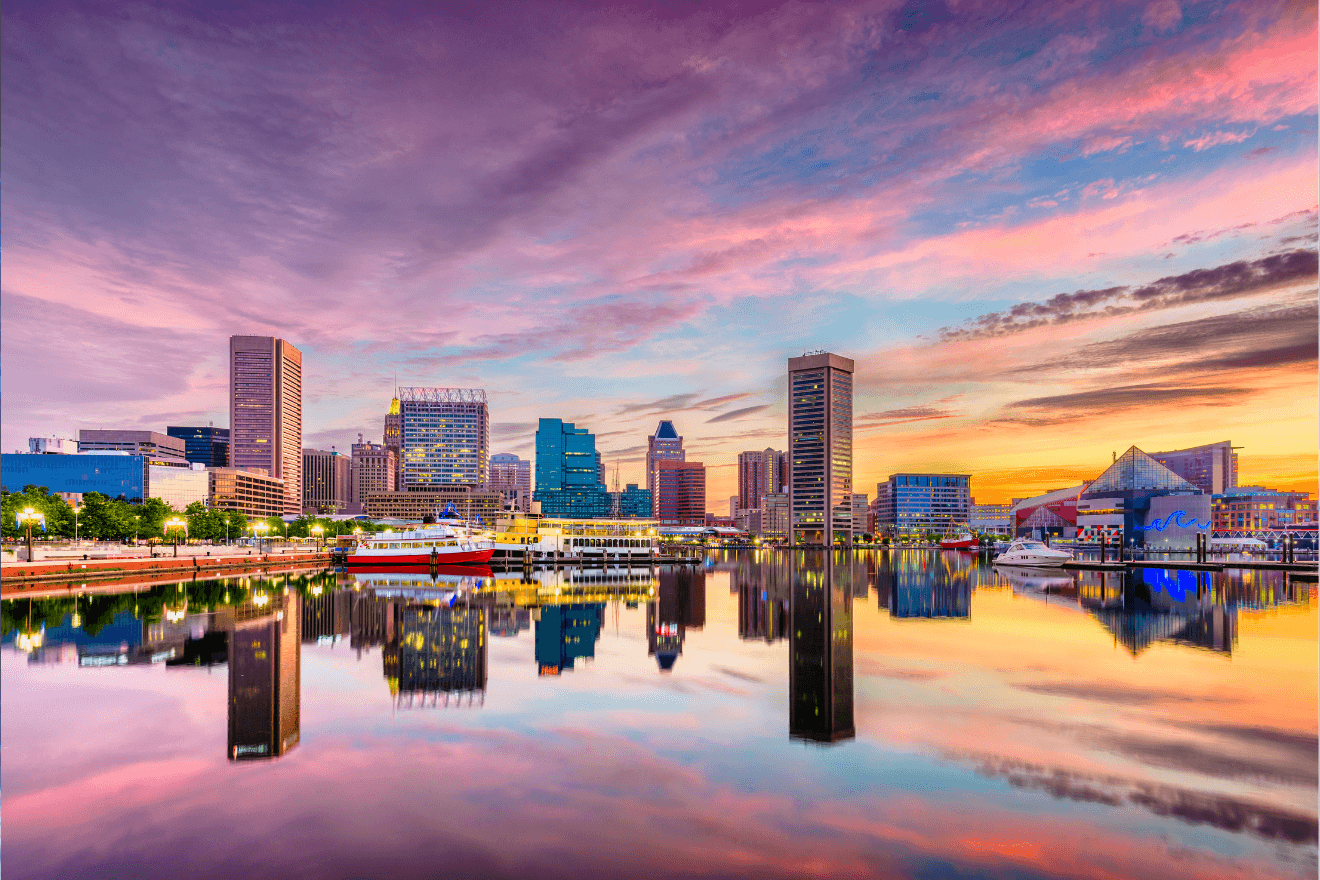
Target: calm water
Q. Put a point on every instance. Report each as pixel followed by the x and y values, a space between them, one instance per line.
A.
pixel 908 715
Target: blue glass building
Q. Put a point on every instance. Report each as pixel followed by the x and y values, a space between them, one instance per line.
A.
pixel 567 478
pixel 632 502
pixel 915 503
pixel 203 445
pixel 115 475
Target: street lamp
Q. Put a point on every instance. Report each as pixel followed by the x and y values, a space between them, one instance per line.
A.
pixel 174 525
pixel 26 517
pixel 318 531
pixel 259 529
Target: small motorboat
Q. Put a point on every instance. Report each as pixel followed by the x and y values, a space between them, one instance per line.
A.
pixel 1027 551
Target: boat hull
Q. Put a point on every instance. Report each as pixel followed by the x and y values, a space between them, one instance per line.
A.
pixel 959 544
pixel 1031 560
pixel 461 557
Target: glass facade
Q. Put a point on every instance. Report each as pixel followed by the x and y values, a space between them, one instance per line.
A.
pixel 913 503
pixel 445 437
pixel 820 448
pixel 203 445
pixel 1137 481
pixel 1134 470
pixel 567 484
pixel 265 412
pixel 113 475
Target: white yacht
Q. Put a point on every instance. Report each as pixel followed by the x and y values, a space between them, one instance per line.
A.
pixel 1027 551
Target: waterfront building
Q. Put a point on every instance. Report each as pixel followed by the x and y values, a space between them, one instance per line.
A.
pixel 682 488
pixel 116 475
pixel 393 439
pixel 178 487
pixel 325 481
pixel 468 504
pixel 265 412
pixel 663 445
pixel 158 448
pixel 265 678
pixel 760 473
pixel 820 391
pixel 820 671
pixel 372 469
pixel 207 445
pixel 567 477
pixel 251 494
pixel 774 516
pixel 1212 468
pixel 511 475
pixel 565 634
pixel 1150 504
pixel 910 504
pixel 1248 509
pixel 1053 513
pixel 861 515
pixel 632 503
pixel 991 519
pixel 52 446
pixel 445 437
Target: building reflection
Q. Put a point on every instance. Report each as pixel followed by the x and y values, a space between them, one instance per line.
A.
pixel 506 621
pixel 820 672
pixel 928 585
pixel 567 633
pixel 439 655
pixel 679 605
pixel 265 667
pixel 764 592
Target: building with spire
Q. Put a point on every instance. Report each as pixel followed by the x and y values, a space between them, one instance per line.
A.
pixel 393 438
pixel 663 445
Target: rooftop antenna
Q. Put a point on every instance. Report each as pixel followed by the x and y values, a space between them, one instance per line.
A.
pixel 614 507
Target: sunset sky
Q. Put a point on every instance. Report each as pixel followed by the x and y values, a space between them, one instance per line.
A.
pixel 1044 235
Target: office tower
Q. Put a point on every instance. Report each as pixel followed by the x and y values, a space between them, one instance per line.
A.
pixel 1212 468
pixel 600 469
pixel 820 448
pixel 663 445
pixel 820 671
pixel 567 484
pixel 682 488
pixel 325 480
pixel 393 437
pixel 445 437
pixel 512 476
pixel 265 412
pixel 265 666
pixel 372 470
pixel 733 506
pixel 911 504
pixel 861 514
pixel 760 473
pixel 203 445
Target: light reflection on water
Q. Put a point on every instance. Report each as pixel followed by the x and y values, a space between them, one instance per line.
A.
pixel 771 714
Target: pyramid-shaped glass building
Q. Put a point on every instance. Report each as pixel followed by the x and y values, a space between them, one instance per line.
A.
pixel 1136 472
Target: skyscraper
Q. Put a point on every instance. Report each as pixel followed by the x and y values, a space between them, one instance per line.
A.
pixel 511 475
pixel 820 448
pixel 663 445
pixel 567 483
pixel 265 412
pixel 325 480
pixel 760 473
pixel 393 438
pixel 204 445
pixel 372 470
pixel 682 488
pixel 445 437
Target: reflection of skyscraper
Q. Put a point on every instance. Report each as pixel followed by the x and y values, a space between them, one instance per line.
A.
pixel 440 650
pixel 764 589
pixel 565 633
pixel 265 666
pixel 325 617
pixel 680 603
pixel 920 588
pixel 508 620
pixel 820 673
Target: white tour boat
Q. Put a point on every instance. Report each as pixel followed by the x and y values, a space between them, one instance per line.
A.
pixel 428 545
pixel 1027 551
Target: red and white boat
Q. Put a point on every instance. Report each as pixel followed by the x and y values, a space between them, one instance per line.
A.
pixel 428 545
pixel 965 541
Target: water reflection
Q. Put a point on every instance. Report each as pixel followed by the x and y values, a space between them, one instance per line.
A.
pixel 1143 704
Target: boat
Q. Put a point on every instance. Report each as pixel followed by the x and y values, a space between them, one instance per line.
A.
pixel 429 545
pixel 1028 551
pixel 965 541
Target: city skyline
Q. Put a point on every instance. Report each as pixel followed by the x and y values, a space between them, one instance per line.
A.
pixel 1083 229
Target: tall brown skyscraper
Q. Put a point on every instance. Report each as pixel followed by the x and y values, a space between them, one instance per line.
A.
pixel 759 474
pixel 265 412
pixel 820 453
pixel 663 445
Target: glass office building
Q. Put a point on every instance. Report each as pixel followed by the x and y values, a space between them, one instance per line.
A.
pixel 203 445
pixel 567 482
pixel 445 437
pixel 113 474
pixel 908 504
pixel 820 448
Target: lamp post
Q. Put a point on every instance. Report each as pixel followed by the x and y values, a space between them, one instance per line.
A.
pixel 259 529
pixel 318 531
pixel 26 517
pixel 76 541
pixel 173 526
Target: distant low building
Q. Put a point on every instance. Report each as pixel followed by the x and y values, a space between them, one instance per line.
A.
pixel 861 515
pixel 632 503
pixel 52 446
pixel 774 516
pixel 991 519
pixel 252 494
pixel 325 480
pixel 1053 513
pixel 205 445
pixel 1249 509
pixel 460 501
pixel 179 487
